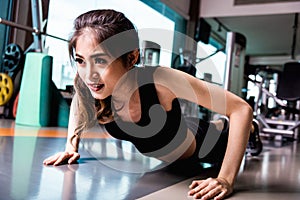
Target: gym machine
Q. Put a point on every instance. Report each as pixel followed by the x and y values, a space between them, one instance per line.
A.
pixel 282 120
pixel 151 53
pixel 39 102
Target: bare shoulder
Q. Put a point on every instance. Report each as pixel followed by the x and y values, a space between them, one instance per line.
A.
pixel 167 75
pixel 181 84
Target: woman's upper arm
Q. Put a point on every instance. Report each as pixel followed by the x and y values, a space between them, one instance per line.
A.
pixel 208 95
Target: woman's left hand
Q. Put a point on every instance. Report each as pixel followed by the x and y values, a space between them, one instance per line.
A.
pixel 210 188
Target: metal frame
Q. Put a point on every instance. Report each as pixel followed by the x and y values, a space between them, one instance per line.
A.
pixel 284 127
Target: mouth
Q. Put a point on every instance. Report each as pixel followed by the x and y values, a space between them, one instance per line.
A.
pixel 96 87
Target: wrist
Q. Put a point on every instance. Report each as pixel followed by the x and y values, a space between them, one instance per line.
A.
pixel 72 144
pixel 228 181
pixel 70 148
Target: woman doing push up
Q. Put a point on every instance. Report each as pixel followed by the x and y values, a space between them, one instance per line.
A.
pixel 141 104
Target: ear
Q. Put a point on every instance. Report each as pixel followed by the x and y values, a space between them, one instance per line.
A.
pixel 133 57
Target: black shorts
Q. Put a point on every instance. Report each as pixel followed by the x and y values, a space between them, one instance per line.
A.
pixel 211 143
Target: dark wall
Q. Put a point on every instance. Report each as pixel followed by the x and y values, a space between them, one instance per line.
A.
pixel 5 13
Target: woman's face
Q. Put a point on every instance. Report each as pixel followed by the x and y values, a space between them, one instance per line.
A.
pixel 99 71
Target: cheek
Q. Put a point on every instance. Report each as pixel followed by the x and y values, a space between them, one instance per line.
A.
pixel 81 72
pixel 112 75
pixel 108 80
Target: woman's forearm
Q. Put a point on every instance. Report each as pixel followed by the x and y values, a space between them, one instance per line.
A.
pixel 72 144
pixel 72 138
pixel 240 123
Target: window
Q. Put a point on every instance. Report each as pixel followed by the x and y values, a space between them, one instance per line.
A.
pixel 211 65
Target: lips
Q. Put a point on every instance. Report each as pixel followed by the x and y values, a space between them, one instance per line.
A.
pixel 96 87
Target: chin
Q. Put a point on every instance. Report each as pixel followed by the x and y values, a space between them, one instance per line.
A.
pixel 99 96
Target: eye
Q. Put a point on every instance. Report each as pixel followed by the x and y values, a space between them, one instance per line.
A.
pixel 100 61
pixel 79 61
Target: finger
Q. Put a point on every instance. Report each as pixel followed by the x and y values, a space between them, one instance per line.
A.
pixel 200 185
pixel 46 161
pixel 195 183
pixel 200 192
pixel 220 196
pixel 50 160
pixel 74 158
pixel 61 158
pixel 210 192
pixel 193 186
pixel 209 187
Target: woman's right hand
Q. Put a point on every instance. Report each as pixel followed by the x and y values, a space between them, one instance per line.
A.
pixel 62 157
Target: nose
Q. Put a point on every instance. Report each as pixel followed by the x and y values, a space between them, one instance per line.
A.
pixel 93 74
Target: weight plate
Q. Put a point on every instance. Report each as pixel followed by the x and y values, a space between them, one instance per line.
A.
pixel 12 57
pixel 6 88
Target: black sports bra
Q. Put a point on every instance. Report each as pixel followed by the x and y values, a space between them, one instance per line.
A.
pixel 158 132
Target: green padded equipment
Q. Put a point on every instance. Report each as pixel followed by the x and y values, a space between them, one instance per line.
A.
pixel 40 103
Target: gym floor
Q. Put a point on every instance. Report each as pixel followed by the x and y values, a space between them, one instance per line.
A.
pixel 110 169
